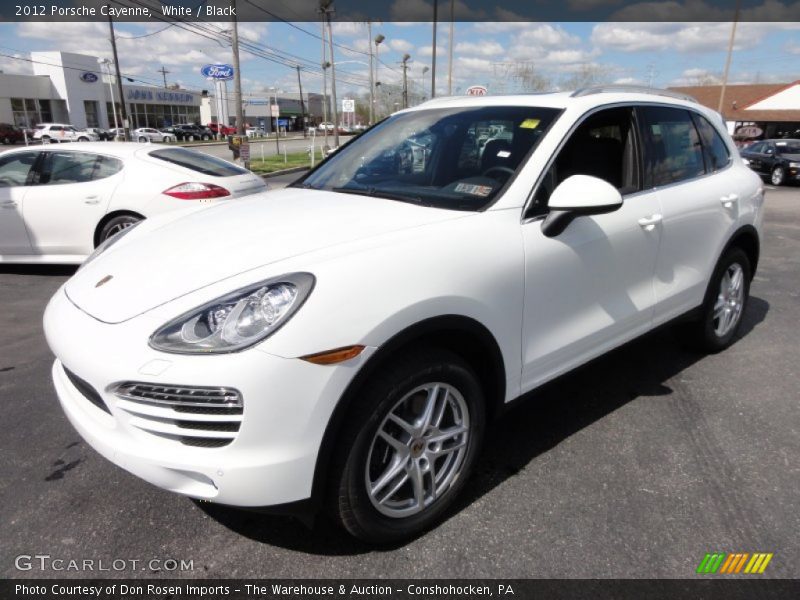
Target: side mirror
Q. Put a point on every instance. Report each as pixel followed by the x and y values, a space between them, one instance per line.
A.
pixel 577 196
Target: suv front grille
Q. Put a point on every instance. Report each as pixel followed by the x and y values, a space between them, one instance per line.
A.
pixel 207 417
pixel 86 390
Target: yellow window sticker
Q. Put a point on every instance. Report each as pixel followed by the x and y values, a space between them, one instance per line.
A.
pixel 529 124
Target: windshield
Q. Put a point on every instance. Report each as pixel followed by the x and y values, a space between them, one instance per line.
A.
pixel 456 158
pixel 792 147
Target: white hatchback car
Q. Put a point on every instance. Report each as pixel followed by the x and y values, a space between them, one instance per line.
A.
pixel 148 134
pixel 344 344
pixel 57 203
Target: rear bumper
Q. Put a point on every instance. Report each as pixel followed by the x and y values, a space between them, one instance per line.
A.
pixel 271 460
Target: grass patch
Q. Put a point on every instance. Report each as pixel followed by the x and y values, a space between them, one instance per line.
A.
pixel 271 164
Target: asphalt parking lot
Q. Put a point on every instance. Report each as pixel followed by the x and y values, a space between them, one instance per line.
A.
pixel 633 466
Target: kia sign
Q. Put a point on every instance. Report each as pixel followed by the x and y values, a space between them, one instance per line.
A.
pixel 749 131
pixel 89 77
pixel 217 72
pixel 477 90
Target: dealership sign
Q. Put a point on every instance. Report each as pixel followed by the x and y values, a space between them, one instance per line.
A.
pixel 88 77
pixel 477 90
pixel 348 105
pixel 218 72
pixel 749 131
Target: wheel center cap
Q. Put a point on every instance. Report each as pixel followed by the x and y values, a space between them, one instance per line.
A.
pixel 417 446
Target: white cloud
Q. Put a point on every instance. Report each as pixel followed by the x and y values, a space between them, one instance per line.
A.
pixel 16 65
pixel 400 45
pixel 481 48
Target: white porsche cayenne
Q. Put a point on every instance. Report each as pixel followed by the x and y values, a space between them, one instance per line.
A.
pixel 342 343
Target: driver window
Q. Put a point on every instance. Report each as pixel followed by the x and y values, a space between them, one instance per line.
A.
pixel 602 146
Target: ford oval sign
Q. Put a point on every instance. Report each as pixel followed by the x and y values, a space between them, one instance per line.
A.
pixel 89 77
pixel 217 72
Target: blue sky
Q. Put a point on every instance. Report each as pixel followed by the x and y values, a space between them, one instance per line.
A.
pixel 504 56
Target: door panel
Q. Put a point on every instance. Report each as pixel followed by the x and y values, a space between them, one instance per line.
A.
pixel 15 170
pixel 589 289
pixel 72 195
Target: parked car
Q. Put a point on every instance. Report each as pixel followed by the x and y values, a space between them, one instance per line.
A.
pixel 104 135
pixel 342 344
pixel 777 159
pixel 11 134
pixel 59 132
pixel 60 203
pixel 222 129
pixel 254 132
pixel 191 132
pixel 148 134
pixel 325 126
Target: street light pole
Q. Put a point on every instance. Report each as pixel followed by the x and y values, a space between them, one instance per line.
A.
pixel 728 59
pixel 371 75
pixel 325 65
pixel 107 62
pixel 450 48
pixel 325 7
pixel 433 58
pixel 237 76
pixel 125 130
pixel 378 41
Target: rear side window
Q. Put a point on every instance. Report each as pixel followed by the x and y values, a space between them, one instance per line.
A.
pixel 714 149
pixel 76 167
pixel 202 163
pixel 672 148
pixel 15 168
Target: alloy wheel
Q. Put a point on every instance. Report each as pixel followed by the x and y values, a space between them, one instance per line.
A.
pixel 418 451
pixel 777 176
pixel 730 300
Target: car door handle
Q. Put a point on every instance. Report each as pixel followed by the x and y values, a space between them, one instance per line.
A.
pixel 91 200
pixel 649 223
pixel 9 204
pixel 729 200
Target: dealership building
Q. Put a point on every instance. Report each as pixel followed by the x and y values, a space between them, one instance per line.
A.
pixel 73 88
pixel 760 110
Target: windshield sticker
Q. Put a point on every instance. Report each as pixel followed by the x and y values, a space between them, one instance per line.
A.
pixel 475 190
pixel 529 124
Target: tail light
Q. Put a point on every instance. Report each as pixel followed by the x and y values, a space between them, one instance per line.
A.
pixel 196 191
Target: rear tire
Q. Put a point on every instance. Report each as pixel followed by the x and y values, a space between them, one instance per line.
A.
pixel 116 224
pixel 406 451
pixel 724 305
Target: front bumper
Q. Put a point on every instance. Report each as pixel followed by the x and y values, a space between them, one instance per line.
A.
pixel 287 406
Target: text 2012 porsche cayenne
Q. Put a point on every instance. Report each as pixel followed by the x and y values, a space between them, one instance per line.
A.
pixel 342 343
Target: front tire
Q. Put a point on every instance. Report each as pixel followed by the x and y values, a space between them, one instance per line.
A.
pixel 142 139
pixel 409 445
pixel 724 305
pixel 116 224
pixel 778 175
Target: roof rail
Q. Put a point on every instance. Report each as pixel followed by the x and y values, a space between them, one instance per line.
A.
pixel 634 89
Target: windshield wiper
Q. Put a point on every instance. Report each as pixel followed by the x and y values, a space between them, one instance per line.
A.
pixel 378 193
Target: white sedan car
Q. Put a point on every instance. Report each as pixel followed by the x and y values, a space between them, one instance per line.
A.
pixel 344 344
pixel 148 134
pixel 57 203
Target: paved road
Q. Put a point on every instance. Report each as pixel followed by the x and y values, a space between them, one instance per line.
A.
pixel 634 466
pixel 260 148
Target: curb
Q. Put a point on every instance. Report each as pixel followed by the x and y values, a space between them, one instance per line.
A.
pixel 284 172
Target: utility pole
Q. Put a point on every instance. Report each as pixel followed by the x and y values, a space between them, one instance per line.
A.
pixel 728 59
pixel 405 80
pixel 325 7
pixel 450 48
pixel 371 76
pixel 325 65
pixel 302 102
pixel 123 110
pixel 378 41
pixel 164 72
pixel 433 57
pixel 237 76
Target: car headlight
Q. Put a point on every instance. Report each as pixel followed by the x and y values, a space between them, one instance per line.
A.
pixel 794 165
pixel 108 243
pixel 237 320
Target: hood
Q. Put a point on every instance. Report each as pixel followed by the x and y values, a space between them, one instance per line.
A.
pixel 161 261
